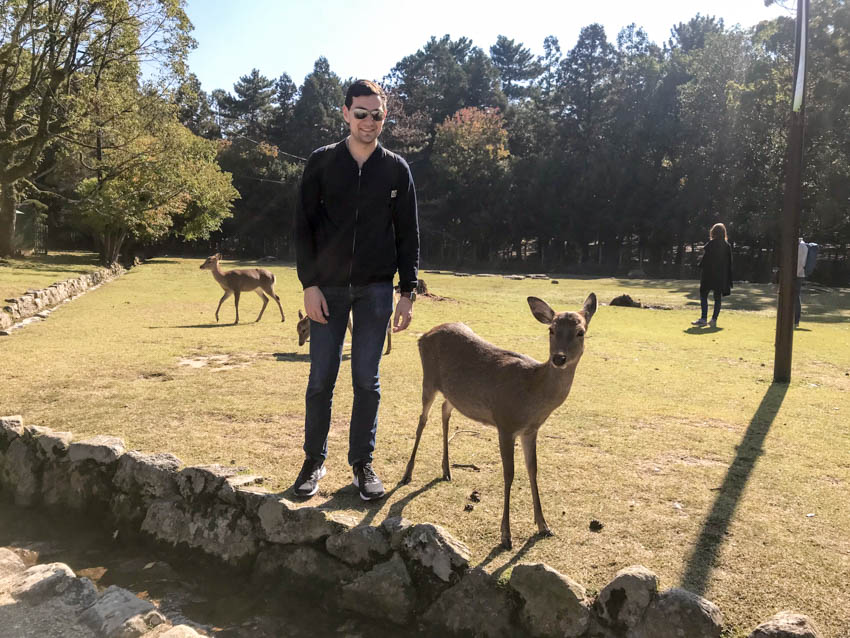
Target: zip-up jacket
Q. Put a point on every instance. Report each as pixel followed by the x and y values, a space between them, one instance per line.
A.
pixel 356 226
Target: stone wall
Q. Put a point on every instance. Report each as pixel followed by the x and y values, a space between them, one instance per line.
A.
pixel 35 301
pixel 415 575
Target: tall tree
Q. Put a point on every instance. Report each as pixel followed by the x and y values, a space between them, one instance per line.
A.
pixel 516 66
pixel 317 115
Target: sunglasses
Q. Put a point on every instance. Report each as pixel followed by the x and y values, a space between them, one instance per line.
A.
pixel 361 113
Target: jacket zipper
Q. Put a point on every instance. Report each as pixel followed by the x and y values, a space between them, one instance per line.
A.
pixel 356 216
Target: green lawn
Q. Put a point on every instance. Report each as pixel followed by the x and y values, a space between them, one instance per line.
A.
pixel 19 274
pixel 674 438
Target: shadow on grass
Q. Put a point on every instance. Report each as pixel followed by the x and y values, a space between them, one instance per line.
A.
pixel 498 549
pixel 297 356
pixel 397 508
pixel 716 525
pixel 696 330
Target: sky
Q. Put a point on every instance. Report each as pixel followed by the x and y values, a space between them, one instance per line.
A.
pixel 366 39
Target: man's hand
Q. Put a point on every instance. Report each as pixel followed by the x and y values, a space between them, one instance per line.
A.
pixel 315 304
pixel 403 314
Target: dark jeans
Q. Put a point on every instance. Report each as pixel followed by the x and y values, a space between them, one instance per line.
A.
pixel 371 307
pixel 703 302
pixel 798 306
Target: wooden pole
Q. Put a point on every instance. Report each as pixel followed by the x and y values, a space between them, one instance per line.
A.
pixel 790 223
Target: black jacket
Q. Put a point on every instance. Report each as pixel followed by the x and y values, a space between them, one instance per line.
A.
pixel 716 265
pixel 356 226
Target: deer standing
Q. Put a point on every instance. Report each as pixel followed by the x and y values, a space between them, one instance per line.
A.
pixel 510 391
pixel 235 282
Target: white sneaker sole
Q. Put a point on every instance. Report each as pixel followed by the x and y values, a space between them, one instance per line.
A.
pixel 366 498
pixel 322 473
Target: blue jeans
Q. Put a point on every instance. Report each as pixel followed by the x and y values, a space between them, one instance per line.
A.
pixel 798 306
pixel 371 307
pixel 703 302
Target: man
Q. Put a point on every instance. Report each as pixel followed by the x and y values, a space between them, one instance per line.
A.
pixel 356 226
pixel 802 254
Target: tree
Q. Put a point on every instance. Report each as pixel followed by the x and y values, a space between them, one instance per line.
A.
pixel 516 66
pixel 48 57
pixel 250 111
pixel 317 115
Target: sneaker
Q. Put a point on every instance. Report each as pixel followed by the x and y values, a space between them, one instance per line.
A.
pixel 712 323
pixel 307 482
pixel 699 322
pixel 367 481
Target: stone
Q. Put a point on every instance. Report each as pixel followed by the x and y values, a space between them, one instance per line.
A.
pixel 180 631
pixel 101 449
pixel 303 567
pixel 219 530
pixel 359 546
pixel 10 563
pixel 553 604
pixel 385 592
pixel 622 602
pixel 786 624
pixel 676 613
pixel 233 485
pixel 282 523
pixel 20 473
pixel 149 476
pixel 42 582
pixel 11 428
pixel 53 445
pixel 476 606
pixel 196 480
pixel 435 549
pixel 396 527
pixel 118 613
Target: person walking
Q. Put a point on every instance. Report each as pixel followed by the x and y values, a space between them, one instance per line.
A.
pixel 356 226
pixel 802 256
pixel 716 275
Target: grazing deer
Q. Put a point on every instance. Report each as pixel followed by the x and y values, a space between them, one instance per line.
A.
pixel 235 282
pixel 510 391
pixel 303 328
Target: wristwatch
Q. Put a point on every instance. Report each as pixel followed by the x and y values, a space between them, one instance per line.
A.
pixel 410 294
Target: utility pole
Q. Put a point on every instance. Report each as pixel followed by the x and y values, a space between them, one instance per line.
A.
pixel 790 223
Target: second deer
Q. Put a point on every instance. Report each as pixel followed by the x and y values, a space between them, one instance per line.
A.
pixel 235 282
pixel 303 329
pixel 510 391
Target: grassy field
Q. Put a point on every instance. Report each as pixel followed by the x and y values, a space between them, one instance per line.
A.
pixel 19 274
pixel 675 438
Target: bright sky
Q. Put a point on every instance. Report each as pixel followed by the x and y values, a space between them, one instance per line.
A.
pixel 367 38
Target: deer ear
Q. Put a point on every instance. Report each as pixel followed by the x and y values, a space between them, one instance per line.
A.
pixel 589 308
pixel 300 316
pixel 541 310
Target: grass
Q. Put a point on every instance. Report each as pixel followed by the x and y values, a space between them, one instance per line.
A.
pixel 675 438
pixel 19 274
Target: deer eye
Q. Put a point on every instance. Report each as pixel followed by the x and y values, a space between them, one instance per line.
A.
pixel 579 333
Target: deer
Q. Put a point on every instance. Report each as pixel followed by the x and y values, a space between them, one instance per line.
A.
pixel 507 390
pixel 303 329
pixel 235 282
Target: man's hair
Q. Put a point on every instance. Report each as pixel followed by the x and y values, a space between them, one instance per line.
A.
pixel 364 87
pixel 718 231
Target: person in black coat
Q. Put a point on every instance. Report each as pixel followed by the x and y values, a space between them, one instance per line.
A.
pixel 716 267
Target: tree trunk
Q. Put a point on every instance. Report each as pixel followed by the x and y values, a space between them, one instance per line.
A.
pixel 8 204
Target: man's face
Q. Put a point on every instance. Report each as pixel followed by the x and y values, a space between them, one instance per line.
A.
pixel 367 130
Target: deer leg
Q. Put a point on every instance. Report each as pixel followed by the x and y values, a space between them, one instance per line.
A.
pixel 428 395
pixel 447 413
pixel 276 297
pixel 226 294
pixel 529 450
pixel 506 448
pixel 265 303
pixel 236 294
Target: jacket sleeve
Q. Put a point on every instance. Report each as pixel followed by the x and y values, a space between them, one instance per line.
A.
pixel 729 267
pixel 306 214
pixel 407 231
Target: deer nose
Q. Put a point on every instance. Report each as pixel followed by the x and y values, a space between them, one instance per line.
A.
pixel 559 359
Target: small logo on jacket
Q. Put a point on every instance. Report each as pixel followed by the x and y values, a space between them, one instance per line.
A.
pixel 393 194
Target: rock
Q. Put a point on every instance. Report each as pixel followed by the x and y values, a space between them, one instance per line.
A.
pixel 385 592
pixel 396 527
pixel 196 480
pixel 10 563
pixel 180 631
pixel 219 530
pixel 101 449
pixel 282 523
pixel 435 549
pixel 554 605
pixel 476 606
pixel 304 567
pixel 20 473
pixel 786 624
pixel 676 613
pixel 233 485
pixel 42 582
pixel 53 445
pixel 150 476
pixel 118 613
pixel 623 601
pixel 359 546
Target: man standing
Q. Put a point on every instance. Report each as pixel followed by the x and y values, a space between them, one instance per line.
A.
pixel 356 226
pixel 802 255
